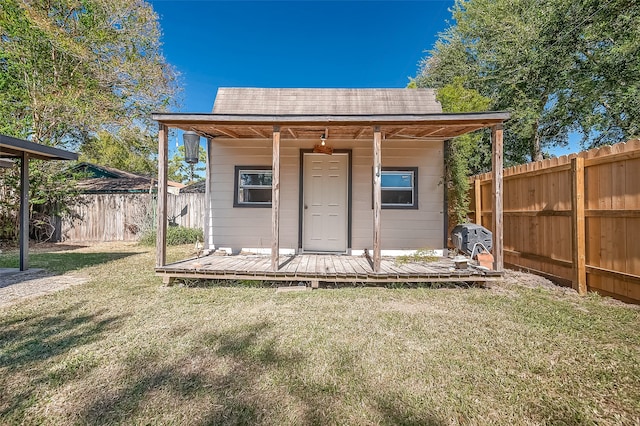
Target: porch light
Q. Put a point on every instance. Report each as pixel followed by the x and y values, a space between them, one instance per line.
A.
pixel 191 142
pixel 323 139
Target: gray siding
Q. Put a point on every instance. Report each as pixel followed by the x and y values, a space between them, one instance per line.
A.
pixel 401 229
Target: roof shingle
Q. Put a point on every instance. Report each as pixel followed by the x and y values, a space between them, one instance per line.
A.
pixel 245 100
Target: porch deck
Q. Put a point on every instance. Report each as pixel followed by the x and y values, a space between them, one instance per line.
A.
pixel 321 267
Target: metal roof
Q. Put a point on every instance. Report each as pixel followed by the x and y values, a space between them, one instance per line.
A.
pixel 11 147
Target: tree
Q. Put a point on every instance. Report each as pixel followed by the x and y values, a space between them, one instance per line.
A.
pixel 82 75
pixel 559 66
pixel 72 68
pixel 129 149
pixel 467 154
pixel 180 171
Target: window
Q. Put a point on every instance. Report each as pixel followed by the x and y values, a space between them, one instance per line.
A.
pixel 399 188
pixel 252 186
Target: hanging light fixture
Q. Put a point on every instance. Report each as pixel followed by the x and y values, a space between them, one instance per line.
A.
pixel 323 138
pixel 323 148
pixel 191 142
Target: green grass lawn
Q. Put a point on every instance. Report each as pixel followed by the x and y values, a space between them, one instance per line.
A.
pixel 122 348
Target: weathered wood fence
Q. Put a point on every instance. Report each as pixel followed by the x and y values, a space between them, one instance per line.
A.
pixel 574 218
pixel 124 217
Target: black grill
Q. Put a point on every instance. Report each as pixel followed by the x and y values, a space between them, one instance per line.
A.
pixel 465 236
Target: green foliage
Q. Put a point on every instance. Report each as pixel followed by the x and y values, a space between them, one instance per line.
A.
pixel 52 192
pixel 129 149
pixel 82 75
pixel 559 66
pixel 420 255
pixel 73 68
pixel 176 235
pixel 466 154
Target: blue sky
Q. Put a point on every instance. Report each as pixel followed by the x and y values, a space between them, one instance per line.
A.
pixel 348 44
pixel 295 43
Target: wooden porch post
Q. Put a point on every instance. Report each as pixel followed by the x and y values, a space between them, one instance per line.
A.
pixel 577 228
pixel 275 200
pixel 208 199
pixel 496 196
pixel 377 196
pixel 163 160
pixel 24 212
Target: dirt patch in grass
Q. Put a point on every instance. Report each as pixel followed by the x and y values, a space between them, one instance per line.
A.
pixel 123 348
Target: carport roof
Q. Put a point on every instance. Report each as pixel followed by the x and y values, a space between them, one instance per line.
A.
pixel 11 147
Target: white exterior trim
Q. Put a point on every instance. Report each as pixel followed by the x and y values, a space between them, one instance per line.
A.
pixel 254 250
pixel 396 253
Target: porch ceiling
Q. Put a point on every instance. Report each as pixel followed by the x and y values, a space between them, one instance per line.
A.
pixel 424 126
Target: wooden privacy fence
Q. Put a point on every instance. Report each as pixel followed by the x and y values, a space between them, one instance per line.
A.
pixel 124 217
pixel 574 218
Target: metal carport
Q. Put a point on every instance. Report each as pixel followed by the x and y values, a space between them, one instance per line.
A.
pixel 11 147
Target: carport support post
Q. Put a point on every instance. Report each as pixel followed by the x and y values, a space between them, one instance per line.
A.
pixel 377 196
pixel 24 212
pixel 496 197
pixel 163 160
pixel 275 200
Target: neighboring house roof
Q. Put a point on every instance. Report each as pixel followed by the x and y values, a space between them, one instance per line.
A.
pixel 103 179
pixel 100 171
pixel 194 187
pixel 116 185
pixel 248 100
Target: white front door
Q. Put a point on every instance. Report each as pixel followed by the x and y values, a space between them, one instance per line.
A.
pixel 325 209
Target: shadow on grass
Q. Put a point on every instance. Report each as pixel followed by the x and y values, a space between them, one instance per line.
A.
pixel 323 400
pixel 28 341
pixel 61 263
pixel 250 359
pixel 123 405
pixel 262 381
pixel 41 336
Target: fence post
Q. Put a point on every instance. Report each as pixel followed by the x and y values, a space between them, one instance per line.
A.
pixel 478 200
pixel 578 225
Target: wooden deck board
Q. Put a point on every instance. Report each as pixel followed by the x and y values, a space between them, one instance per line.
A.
pixel 301 263
pixel 397 269
pixel 347 266
pixel 359 269
pixel 365 265
pixel 322 267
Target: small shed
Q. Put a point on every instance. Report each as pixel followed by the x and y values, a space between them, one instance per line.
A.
pixel 14 148
pixel 334 173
